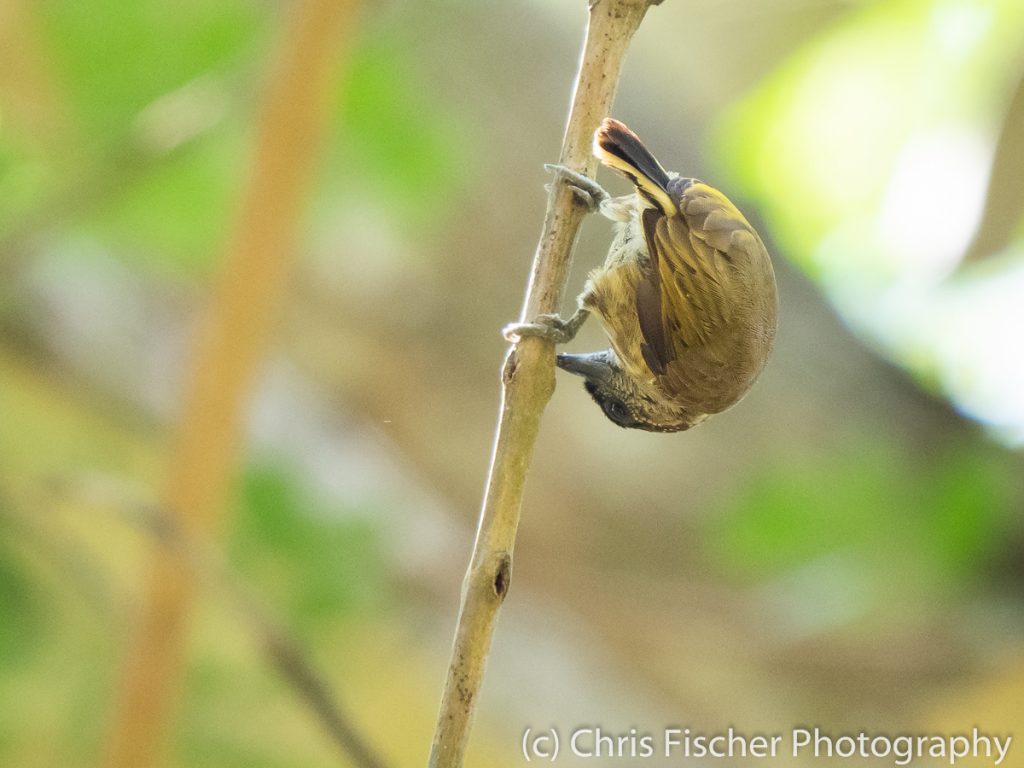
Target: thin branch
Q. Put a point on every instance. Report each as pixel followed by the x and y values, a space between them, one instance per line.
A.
pixel 528 380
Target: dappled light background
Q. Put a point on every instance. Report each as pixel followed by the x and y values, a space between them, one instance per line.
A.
pixel 844 548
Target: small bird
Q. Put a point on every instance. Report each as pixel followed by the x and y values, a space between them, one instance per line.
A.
pixel 686 296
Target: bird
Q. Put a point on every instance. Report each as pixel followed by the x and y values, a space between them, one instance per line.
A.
pixel 687 295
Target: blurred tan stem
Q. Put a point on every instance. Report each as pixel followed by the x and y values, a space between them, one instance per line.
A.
pixel 231 343
pixel 35 103
pixel 528 382
pixel 1003 199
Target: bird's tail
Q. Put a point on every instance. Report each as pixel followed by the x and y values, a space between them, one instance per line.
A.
pixel 620 149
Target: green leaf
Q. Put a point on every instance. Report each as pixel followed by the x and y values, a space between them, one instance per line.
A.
pixel 905 523
pixel 117 56
pixel 20 607
pixel 409 151
pixel 322 563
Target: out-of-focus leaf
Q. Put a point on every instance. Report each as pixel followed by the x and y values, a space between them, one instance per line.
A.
pixel 118 56
pixel 208 738
pixel 969 503
pixel 115 59
pixel 909 525
pixel 399 142
pixel 19 610
pixel 818 141
pixel 320 563
pixel 175 216
pixel 25 175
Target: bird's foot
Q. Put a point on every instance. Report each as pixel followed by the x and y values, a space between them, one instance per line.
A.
pixel 550 327
pixel 587 191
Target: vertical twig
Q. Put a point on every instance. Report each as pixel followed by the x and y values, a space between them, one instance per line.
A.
pixel 230 346
pixel 1002 211
pixel 528 381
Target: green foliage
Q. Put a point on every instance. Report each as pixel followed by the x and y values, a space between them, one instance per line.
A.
pixel 25 175
pixel 59 655
pixel 113 60
pixel 20 609
pixel 174 217
pixel 169 209
pixel 817 141
pixel 220 750
pixel 907 524
pixel 321 564
pixel 118 56
pixel 251 734
pixel 395 137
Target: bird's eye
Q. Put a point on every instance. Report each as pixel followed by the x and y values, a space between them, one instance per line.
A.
pixel 617 411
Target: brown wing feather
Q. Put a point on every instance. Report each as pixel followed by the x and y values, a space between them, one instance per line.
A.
pixel 705 263
pixel 655 347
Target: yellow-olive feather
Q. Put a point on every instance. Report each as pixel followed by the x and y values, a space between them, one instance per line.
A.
pixel 687 295
pixel 618 147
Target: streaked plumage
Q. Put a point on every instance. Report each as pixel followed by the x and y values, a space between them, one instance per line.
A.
pixel 687 297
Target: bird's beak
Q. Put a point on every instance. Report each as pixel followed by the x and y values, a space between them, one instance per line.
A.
pixel 594 366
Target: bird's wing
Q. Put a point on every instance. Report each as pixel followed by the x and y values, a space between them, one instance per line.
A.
pixel 697 264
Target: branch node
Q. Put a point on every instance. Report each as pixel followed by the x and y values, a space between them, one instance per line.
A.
pixel 502 575
pixel 508 371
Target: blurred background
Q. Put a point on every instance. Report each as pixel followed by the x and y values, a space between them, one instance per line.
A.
pixel 255 257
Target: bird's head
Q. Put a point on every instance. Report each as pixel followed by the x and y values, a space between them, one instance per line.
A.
pixel 624 399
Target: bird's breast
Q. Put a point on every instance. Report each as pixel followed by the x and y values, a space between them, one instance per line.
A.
pixel 611 295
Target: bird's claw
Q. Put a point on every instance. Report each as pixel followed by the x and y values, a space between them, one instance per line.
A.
pixel 587 191
pixel 550 327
